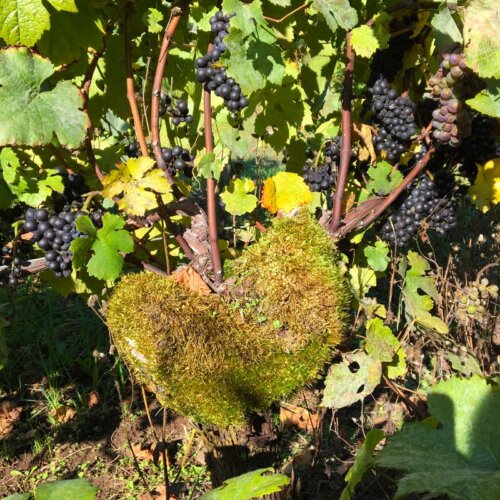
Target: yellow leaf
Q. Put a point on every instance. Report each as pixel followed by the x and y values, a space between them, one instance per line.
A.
pixel 137 184
pixel 285 191
pixel 486 189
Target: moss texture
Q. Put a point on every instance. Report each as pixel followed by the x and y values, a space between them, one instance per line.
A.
pixel 215 360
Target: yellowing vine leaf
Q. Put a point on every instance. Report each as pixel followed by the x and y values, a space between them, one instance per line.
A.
pixel 486 189
pixel 285 191
pixel 138 183
pixel 238 197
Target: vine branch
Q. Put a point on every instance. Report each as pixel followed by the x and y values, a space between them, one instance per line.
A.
pixel 290 14
pixel 211 185
pixel 345 151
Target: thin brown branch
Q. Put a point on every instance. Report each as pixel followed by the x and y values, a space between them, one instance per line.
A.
pixel 211 185
pixel 345 151
pixel 155 99
pixel 388 201
pixel 139 131
pixel 61 158
pixel 290 14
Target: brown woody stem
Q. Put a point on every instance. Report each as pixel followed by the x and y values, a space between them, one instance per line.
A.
pixel 345 152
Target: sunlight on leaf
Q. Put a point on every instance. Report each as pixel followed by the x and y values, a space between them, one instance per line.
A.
pixel 285 191
pixel 485 191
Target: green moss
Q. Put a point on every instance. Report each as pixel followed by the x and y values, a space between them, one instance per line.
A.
pixel 216 362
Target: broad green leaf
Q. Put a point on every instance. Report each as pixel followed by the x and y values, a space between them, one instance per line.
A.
pixel 352 380
pixel 361 280
pixel 363 40
pixel 70 489
pixel 285 191
pixel 384 178
pixel 22 22
pixel 18 496
pixel 482 46
pixel 105 244
pixel 210 164
pixel 152 20
pixel 253 484
pixel 485 192
pixel 488 100
pixel 337 13
pixel 445 28
pixel 31 113
pixel 417 306
pixel 460 458
pixel 362 462
pixel 238 198
pixel 26 181
pixel 248 17
pixel 137 184
pixel 377 256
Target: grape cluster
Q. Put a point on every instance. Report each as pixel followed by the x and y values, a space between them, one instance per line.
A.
pixel 395 114
pixel 54 234
pixel 480 147
pixel 179 113
pixel 323 177
pixel 214 76
pixel 388 62
pixel 132 150
pixel 451 123
pixel 424 201
pixel 74 188
pixel 473 301
pixel 15 256
pixel 178 159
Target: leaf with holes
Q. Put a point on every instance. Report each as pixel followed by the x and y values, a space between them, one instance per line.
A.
pixel 459 459
pixel 352 380
pixel 32 112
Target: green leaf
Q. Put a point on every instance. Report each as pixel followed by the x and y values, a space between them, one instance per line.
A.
pixel 106 244
pixel 26 181
pixel 31 113
pixel 417 306
pixel 363 40
pixel 248 17
pixel 69 489
pixel 352 380
pixel 18 496
pixel 377 256
pixel 253 484
pixel 361 280
pixel 23 22
pixel 488 100
pixel 337 13
pixel 446 30
pixel 363 462
pixel 236 198
pixel 152 20
pixel 459 459
pixel 482 49
pixel 384 178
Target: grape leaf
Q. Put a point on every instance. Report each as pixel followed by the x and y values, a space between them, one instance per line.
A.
pixel 337 13
pixel 417 306
pixel 445 27
pixel 285 191
pixel 459 459
pixel 253 484
pixel 362 462
pixel 485 191
pixel 383 345
pixel 66 490
pixel 281 3
pixel 30 112
pixel 152 20
pixel 482 49
pixel 364 41
pixel 23 22
pixel 488 100
pixel 138 183
pixel 384 178
pixel 352 380
pixel 248 18
pixel 361 280
pixel 106 244
pixel 377 256
pixel 237 199
pixel 27 181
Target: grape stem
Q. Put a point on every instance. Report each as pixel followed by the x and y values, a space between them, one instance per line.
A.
pixel 388 201
pixel 175 17
pixel 211 185
pixel 345 150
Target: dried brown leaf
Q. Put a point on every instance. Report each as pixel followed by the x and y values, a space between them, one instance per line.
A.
pixel 292 415
pixel 63 414
pixel 93 399
pixel 188 277
pixel 366 150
